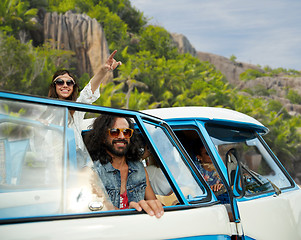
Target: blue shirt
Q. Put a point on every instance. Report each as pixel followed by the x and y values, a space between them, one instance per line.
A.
pixel 135 186
pixel 212 178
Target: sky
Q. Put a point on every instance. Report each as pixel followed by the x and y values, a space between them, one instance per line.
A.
pixel 260 32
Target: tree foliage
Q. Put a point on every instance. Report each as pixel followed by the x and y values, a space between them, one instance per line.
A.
pixel 294 96
pixel 158 41
pixel 16 16
pixel 267 71
pixel 26 69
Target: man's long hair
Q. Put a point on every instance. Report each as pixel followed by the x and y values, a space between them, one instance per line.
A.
pixel 96 137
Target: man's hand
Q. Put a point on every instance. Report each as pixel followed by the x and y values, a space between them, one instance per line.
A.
pixel 151 207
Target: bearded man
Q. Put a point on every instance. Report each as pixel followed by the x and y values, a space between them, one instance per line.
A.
pixel 113 146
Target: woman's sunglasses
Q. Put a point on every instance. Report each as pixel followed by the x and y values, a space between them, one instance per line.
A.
pixel 127 132
pixel 61 82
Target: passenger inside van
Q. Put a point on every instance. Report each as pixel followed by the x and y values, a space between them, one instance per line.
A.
pixel 160 184
pixel 207 169
pixel 203 162
pixel 158 181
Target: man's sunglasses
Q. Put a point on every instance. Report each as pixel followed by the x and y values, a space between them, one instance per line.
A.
pixel 61 82
pixel 127 132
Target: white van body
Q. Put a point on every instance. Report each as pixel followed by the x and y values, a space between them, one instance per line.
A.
pixel 46 191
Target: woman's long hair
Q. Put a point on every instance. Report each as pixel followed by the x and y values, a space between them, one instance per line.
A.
pixel 96 137
pixel 52 90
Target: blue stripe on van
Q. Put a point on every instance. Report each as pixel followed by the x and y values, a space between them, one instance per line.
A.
pixel 208 237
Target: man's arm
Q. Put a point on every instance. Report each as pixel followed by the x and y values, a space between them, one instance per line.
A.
pixel 151 205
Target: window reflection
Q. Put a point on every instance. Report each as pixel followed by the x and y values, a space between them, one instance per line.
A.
pixel 175 163
pixel 41 173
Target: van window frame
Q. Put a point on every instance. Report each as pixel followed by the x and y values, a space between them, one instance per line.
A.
pixel 193 125
pixel 187 161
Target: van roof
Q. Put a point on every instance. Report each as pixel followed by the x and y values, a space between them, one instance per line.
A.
pixel 182 113
pixel 211 113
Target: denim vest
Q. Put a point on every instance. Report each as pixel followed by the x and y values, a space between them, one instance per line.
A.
pixel 135 186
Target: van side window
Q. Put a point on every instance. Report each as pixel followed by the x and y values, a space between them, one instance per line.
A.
pixel 200 157
pixel 176 165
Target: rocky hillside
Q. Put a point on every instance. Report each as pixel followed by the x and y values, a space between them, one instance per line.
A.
pixel 232 70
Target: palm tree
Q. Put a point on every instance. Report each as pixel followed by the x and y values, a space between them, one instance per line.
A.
pixel 127 78
pixel 16 18
pixel 132 84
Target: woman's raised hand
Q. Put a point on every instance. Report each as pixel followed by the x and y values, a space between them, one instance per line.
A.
pixel 111 63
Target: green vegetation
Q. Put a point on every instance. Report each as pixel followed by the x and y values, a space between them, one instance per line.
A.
pixel 252 74
pixel 294 97
pixel 16 17
pixel 153 73
pixel 281 71
pixel 233 58
pixel 26 69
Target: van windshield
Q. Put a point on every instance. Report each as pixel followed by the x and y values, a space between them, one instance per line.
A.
pixel 259 167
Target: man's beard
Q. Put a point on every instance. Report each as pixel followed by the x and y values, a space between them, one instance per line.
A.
pixel 120 152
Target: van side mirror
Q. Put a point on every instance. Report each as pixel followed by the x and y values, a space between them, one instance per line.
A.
pixel 235 174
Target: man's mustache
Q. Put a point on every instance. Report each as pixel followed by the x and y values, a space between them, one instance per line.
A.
pixel 120 141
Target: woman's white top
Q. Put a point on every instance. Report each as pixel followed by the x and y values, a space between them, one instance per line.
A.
pixel 86 96
pixel 158 181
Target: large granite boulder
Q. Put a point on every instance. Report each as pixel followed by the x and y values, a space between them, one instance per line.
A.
pixel 79 33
